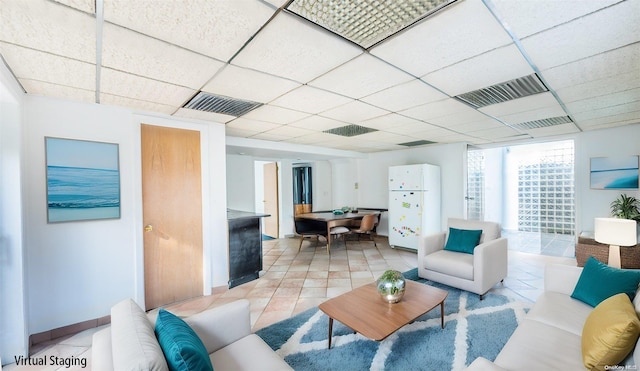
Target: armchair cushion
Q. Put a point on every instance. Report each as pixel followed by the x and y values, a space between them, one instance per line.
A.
pixel 599 281
pixel 463 240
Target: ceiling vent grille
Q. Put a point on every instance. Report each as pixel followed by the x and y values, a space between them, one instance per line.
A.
pixel 506 91
pixel 416 143
pixel 544 123
pixel 350 130
pixel 219 104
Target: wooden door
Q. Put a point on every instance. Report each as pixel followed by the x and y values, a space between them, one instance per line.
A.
pixel 172 213
pixel 271 225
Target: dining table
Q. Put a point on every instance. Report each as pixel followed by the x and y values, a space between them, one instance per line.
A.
pixel 335 220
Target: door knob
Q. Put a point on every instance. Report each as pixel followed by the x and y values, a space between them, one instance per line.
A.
pixel 148 228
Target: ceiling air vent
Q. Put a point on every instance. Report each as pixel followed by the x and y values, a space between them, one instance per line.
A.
pixel 506 91
pixel 537 124
pixel 219 104
pixel 416 143
pixel 350 130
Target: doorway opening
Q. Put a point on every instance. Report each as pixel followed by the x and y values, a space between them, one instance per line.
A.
pixel 530 190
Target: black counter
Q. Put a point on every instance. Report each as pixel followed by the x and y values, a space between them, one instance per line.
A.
pixel 245 246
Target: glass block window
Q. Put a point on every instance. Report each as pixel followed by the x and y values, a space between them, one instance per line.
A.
pixel 475 184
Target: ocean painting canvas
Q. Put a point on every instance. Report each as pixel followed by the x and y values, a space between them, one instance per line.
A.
pixel 83 180
pixel 614 172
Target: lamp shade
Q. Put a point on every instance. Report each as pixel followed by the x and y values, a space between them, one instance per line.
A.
pixel 616 231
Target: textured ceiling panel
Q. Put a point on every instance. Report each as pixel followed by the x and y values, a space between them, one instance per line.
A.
pixel 135 104
pixel 361 76
pixel 355 111
pixel 403 96
pixel 520 105
pixel 416 50
pixel 304 52
pixel 225 25
pixel 276 115
pixel 251 125
pixel 317 123
pixel 389 121
pixel 58 91
pixel 143 89
pixel 309 99
pixel 433 110
pixel 205 116
pixel 242 83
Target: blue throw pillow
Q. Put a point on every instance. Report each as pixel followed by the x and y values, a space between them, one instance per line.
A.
pixel 599 281
pixel 463 240
pixel 182 348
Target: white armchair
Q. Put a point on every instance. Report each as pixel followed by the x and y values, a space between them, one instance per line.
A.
pixel 477 272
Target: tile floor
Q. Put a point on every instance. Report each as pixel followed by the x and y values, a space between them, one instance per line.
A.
pixel 295 281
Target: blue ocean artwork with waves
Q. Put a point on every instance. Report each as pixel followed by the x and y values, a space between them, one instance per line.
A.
pixel 614 173
pixel 76 190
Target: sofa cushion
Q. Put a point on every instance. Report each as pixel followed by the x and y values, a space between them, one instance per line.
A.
pixel 182 348
pixel 236 356
pixel 450 263
pixel 134 343
pixel 610 333
pixel 463 240
pixel 599 281
pixel 561 311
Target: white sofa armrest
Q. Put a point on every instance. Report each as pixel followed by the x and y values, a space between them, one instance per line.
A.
pixel 101 351
pixel 490 262
pixel 483 364
pixel 561 278
pixel 220 326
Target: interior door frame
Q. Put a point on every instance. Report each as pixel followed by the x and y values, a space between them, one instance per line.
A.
pixel 138 224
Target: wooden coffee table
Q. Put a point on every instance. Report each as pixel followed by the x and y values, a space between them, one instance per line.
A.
pixel 364 311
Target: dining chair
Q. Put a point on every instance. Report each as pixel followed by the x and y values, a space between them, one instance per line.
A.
pixel 306 228
pixel 367 226
pixel 340 232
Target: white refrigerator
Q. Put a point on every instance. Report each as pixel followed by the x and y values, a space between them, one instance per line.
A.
pixel 414 203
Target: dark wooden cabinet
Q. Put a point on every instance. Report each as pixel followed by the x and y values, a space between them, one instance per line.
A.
pixel 245 247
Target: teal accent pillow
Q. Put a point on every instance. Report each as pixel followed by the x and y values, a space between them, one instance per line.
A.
pixel 599 281
pixel 463 240
pixel 182 348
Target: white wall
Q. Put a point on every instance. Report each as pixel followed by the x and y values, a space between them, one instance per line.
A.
pixel 240 183
pixel 13 330
pixel 78 270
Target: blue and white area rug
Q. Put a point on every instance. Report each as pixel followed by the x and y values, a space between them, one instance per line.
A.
pixel 473 328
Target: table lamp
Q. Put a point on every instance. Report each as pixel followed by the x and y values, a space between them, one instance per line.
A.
pixel 615 232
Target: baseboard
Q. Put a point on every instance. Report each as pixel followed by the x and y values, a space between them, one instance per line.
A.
pixel 63 331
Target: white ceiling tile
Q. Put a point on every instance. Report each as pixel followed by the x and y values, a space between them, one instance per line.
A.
pixel 309 99
pixel 520 105
pixel 500 132
pixel 384 137
pixel 50 27
pixel 444 39
pixel 140 88
pixel 289 131
pixel 277 115
pixel 252 125
pixel 462 117
pixel 528 17
pixel 481 71
pixel 270 137
pixel 611 121
pixel 58 91
pixel 317 123
pixel 217 28
pixel 596 33
pixel 314 138
pixel 131 52
pixel 433 110
pixel 388 121
pixel 203 115
pixel 41 66
pixel 534 114
pixel 474 126
pixel 292 47
pixel 619 111
pixel 603 101
pixel 361 76
pixel 410 128
pixel 354 112
pixel 562 129
pixel 242 133
pixel 136 104
pixel 88 6
pixel 403 96
pixel 247 84
pixel 600 88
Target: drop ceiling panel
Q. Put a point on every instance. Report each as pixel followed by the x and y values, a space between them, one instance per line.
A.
pixel 58 91
pixel 216 28
pixel 131 52
pixel 403 96
pixel 311 100
pixel 45 67
pixel 463 117
pixel 618 110
pixel 498 133
pixel 611 121
pixel 610 100
pixel 528 17
pixel 50 27
pixel 140 88
pixel 136 104
pixel 317 123
pixel 521 105
pixel 241 133
pixel 534 114
pixel 433 110
pixel 294 48
pixel 252 125
pixel 389 121
pixel 475 126
pixel 361 76
pixel 553 130
pixel 277 115
pixel 596 33
pixel 601 66
pixel 600 88
pixel 384 137
pixel 409 128
pixel 354 112
pixel 289 132
pixel 481 71
pixel 444 39
pixel 203 115
pixel 88 6
pixel 247 84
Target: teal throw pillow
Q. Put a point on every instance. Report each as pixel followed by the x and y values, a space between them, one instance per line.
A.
pixel 599 281
pixel 463 240
pixel 182 348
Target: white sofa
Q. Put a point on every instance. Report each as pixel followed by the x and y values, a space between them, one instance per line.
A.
pixel 549 336
pixel 477 272
pixel 129 343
